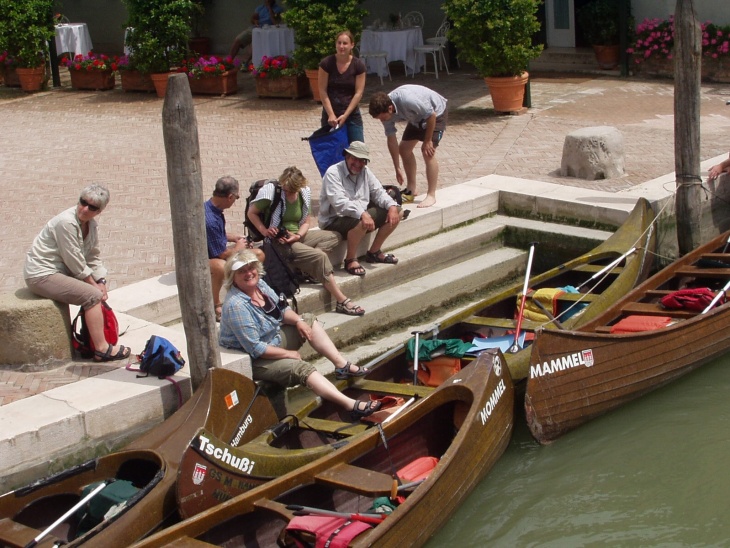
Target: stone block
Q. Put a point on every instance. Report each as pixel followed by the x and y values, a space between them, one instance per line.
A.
pixel 33 330
pixel 593 153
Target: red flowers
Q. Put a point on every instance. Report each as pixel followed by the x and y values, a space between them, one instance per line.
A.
pixel 91 62
pixel 209 66
pixel 273 67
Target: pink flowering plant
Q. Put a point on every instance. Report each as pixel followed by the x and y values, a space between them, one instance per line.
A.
pixel 655 40
pixel 6 60
pixel 91 62
pixel 206 66
pixel 274 67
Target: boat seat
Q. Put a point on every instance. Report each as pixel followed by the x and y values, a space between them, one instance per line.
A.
pixel 356 479
pixel 505 323
pixel 654 309
pixel 13 533
pixel 593 268
pixel 575 297
pixel 331 427
pixel 380 387
pixel 698 272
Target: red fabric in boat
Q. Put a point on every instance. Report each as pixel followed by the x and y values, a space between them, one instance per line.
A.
pixel 418 469
pixel 435 372
pixel 334 532
pixel 638 323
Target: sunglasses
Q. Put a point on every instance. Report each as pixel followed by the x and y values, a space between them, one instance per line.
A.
pixel 91 207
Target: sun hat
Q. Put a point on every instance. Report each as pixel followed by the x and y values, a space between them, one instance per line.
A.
pixel 358 149
pixel 241 263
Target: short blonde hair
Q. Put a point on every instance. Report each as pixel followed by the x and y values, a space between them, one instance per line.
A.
pixel 246 256
pixel 292 179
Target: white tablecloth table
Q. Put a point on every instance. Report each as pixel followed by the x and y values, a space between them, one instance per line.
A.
pixel 270 42
pixel 398 43
pixel 73 38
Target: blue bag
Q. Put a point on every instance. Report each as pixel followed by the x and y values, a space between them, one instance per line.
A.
pixel 160 358
pixel 328 146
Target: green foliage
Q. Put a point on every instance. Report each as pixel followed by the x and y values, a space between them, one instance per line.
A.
pixel 26 26
pixel 599 21
pixel 159 35
pixel 494 35
pixel 316 25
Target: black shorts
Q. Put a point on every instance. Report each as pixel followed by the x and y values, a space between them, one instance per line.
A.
pixel 415 133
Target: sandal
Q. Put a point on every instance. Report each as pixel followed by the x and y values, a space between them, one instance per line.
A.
pixel 122 354
pixel 354 270
pixel 407 196
pixel 352 310
pixel 380 257
pixel 364 409
pixel 346 373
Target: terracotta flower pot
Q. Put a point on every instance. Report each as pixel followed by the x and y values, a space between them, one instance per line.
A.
pixel 31 79
pixel 97 80
pixel 222 84
pixel 313 76
pixel 133 80
pixel 159 79
pixel 292 87
pixel 508 92
pixel 607 56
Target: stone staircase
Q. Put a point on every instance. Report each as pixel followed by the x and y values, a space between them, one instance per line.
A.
pixel 465 244
pixel 579 60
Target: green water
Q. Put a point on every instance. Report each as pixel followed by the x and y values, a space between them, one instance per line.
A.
pixel 653 473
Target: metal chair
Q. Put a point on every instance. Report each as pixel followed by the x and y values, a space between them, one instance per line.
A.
pixel 376 55
pixel 413 19
pixel 436 46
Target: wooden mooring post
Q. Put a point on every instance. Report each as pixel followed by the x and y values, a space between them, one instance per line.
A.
pixel 185 184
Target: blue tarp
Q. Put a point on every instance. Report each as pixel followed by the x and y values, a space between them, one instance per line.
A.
pixel 328 146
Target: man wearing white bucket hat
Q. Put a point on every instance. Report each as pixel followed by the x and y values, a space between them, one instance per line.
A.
pixel 353 202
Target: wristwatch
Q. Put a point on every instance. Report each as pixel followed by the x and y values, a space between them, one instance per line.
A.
pixel 101 281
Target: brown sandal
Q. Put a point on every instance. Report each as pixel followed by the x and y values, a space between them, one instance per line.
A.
pixel 354 270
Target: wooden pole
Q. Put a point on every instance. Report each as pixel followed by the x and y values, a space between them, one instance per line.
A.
pixel 185 184
pixel 687 80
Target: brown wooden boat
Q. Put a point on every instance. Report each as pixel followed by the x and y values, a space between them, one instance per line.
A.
pixel 466 423
pixel 146 469
pixel 603 275
pixel 578 375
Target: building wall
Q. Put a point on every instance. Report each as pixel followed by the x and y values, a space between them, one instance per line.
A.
pixel 706 10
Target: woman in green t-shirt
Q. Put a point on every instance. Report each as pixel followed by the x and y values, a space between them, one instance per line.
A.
pixel 289 230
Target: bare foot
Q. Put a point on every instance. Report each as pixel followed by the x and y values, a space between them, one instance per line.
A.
pixel 428 201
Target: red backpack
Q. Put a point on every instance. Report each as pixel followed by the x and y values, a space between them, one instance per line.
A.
pixel 80 337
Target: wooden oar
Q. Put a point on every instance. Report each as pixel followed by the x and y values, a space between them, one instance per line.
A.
pixel 64 517
pixel 720 293
pixel 399 411
pixel 516 344
pixel 367 518
pixel 415 358
pixel 549 314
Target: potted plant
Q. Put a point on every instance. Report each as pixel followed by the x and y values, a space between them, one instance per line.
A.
pixel 92 71
pixel 132 78
pixel 7 70
pixel 26 28
pixel 599 24
pixel 496 37
pixel 158 36
pixel 212 75
pixel 199 43
pixel 279 76
pixel 316 25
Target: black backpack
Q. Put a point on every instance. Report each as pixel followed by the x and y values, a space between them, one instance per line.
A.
pixel 253 233
pixel 279 275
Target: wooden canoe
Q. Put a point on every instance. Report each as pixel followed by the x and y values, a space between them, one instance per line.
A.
pixel 578 375
pixel 466 423
pixel 150 463
pixel 495 316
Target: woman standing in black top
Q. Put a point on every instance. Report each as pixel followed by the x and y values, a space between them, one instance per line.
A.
pixel 341 86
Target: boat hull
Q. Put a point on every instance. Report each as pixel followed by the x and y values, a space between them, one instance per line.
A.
pixel 576 376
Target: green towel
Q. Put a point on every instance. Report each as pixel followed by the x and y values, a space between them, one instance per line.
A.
pixel 440 347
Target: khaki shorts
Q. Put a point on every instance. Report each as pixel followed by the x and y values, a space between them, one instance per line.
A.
pixel 65 289
pixel 286 371
pixel 343 225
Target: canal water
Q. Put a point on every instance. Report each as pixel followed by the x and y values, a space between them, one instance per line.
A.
pixel 653 473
